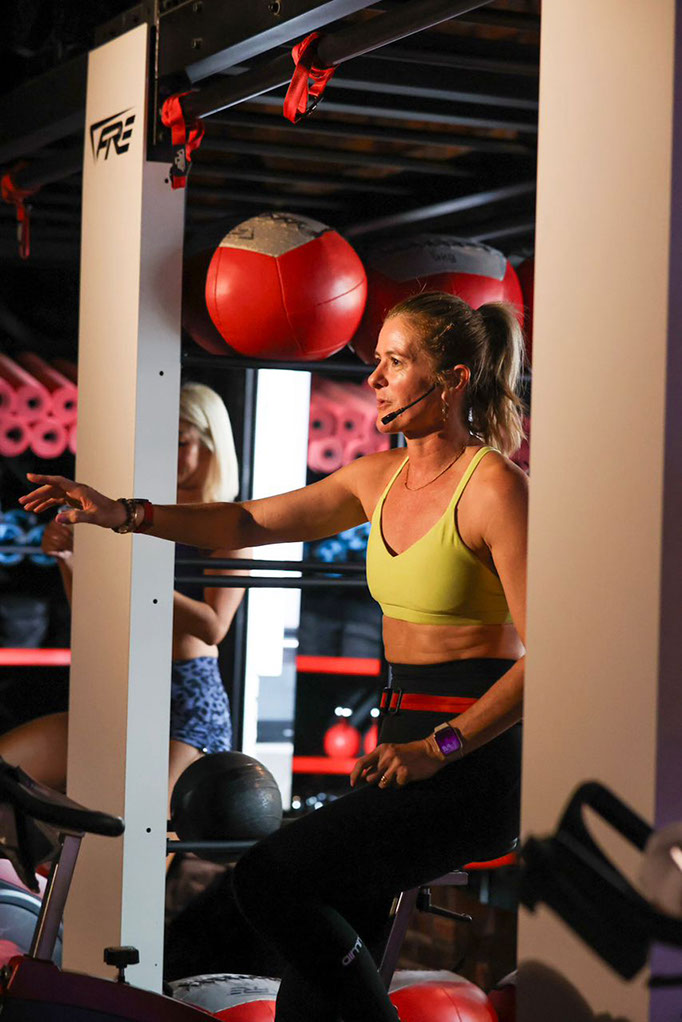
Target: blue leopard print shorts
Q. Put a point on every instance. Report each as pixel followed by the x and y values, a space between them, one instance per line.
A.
pixel 200 709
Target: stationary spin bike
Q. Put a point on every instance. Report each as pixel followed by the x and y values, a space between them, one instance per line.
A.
pixel 39 825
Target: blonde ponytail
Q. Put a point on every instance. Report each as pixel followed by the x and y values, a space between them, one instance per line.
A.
pixel 496 408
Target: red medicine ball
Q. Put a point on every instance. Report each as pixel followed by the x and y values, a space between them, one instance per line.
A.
pixel 284 286
pixel 195 318
pixel 400 268
pixel 456 1001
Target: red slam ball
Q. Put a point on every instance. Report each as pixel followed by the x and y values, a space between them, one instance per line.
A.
pixel 456 1001
pixel 400 268
pixel 287 287
pixel 342 740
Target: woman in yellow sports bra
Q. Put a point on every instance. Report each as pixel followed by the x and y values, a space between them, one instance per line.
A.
pixel 446 561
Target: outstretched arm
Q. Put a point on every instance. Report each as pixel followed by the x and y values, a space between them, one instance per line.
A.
pixel 322 509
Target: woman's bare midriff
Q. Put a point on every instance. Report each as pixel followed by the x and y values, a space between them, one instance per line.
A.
pixel 189 647
pixel 409 643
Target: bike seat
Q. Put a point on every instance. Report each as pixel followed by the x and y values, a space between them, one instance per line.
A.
pixel 32 816
pixel 49 806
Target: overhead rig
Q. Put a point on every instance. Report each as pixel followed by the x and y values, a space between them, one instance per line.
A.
pixel 429 122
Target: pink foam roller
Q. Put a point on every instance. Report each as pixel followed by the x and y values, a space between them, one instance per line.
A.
pixel 62 391
pixel 15 436
pixel 72 437
pixel 323 418
pixel 49 438
pixel 355 416
pixel 325 455
pixel 8 400
pixel 32 398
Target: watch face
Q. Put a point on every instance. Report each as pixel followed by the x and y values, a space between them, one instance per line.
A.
pixel 448 741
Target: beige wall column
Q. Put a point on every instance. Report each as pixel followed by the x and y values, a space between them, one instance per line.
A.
pixel 605 570
pixel 129 371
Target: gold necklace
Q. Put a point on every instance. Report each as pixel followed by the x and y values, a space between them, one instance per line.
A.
pixel 413 489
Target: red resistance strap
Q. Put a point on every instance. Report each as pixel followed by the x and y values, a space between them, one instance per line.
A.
pixel 394 699
pixel 296 100
pixel 17 196
pixel 185 137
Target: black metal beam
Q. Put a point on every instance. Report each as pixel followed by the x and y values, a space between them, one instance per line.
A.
pixel 47 169
pixel 519 21
pixel 204 38
pixel 334 49
pixel 319 155
pixel 468 54
pixel 201 195
pixel 438 210
pixel 317 125
pixel 283 582
pixel 432 111
pixel 510 228
pixel 255 564
pixel 229 851
pixel 328 367
pixel 43 110
pixel 232 172
pixel 391 77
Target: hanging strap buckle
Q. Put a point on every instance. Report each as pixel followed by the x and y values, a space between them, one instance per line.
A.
pixel 185 138
pixel 16 196
pixel 302 97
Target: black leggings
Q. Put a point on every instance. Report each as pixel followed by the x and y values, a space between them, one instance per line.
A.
pixel 320 889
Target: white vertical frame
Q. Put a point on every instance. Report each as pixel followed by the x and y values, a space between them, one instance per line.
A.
pixel 129 373
pixel 604 578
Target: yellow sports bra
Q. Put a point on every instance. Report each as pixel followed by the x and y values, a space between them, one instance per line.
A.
pixel 437 580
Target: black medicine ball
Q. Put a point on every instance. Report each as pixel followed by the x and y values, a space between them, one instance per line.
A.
pixel 225 796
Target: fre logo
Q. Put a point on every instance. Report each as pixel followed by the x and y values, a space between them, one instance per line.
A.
pixel 114 131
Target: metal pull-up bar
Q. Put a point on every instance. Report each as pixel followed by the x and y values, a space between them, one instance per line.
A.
pixel 332 50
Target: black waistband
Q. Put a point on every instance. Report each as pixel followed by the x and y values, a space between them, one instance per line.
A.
pixel 454 677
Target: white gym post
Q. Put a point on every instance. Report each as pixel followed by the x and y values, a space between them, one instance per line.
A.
pixel 129 371
pixel 605 567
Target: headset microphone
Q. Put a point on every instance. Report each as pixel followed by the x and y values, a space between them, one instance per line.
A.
pixel 394 415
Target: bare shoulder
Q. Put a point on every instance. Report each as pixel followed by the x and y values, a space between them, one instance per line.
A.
pixel 371 475
pixel 498 476
pixel 500 495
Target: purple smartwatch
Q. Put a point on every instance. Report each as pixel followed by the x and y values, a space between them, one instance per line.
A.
pixel 449 740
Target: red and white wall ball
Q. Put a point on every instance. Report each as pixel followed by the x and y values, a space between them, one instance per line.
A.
pixel 285 286
pixel 398 268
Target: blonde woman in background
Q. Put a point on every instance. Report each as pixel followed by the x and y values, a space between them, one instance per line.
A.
pixel 200 713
